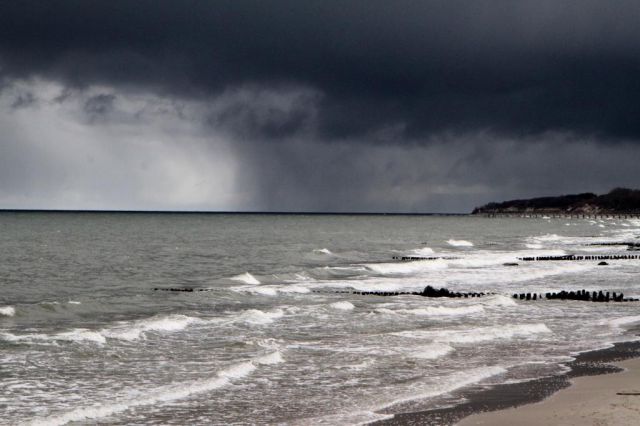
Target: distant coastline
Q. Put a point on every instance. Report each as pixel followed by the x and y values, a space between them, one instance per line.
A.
pixel 619 201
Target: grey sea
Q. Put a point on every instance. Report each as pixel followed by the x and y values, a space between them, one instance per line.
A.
pixel 85 338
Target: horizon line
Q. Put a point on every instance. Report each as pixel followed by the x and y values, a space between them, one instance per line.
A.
pixel 221 212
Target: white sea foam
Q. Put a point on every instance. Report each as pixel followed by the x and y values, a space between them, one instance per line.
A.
pixel 78 335
pixel 407 267
pixel 272 290
pixel 479 334
pixel 443 311
pixel 125 330
pixel 432 351
pixel 263 290
pixel 293 289
pixel 534 246
pixel 548 237
pixel 447 384
pixel 7 311
pixel 246 278
pixel 163 394
pixel 258 317
pixel 623 320
pixel 323 251
pixel 342 305
pixel 498 300
pixel 385 311
pixel 74 302
pixel 270 359
pixel 460 243
pixel 135 329
pixel 495 333
pixel 424 251
pixel 238 371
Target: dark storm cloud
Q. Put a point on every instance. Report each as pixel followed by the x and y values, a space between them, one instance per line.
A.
pixel 99 105
pixel 513 68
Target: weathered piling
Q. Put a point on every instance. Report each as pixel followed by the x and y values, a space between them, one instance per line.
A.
pixel 572 257
pixel 412 258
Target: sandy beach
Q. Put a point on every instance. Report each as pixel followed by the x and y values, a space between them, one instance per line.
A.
pixel 585 395
pixel 611 399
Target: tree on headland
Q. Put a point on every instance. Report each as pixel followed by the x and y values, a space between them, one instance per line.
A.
pixel 618 200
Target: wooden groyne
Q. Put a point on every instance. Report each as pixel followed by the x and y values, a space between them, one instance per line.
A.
pixel 580 295
pixel 427 292
pixel 572 257
pixel 409 258
pixel 181 289
pixel 630 246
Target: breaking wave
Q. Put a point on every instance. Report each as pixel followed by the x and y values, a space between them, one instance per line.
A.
pixel 163 394
pixel 134 330
pixel 460 243
pixel 432 351
pixel 7 311
pixel 323 251
pixel 423 251
pixel 246 278
pixel 258 317
pixel 480 334
pixel 125 330
pixel 443 311
pixel 406 267
pixel 76 335
pixel 342 306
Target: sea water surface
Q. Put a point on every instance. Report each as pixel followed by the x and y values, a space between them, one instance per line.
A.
pixel 85 338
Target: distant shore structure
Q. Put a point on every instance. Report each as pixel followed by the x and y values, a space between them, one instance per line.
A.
pixel 619 203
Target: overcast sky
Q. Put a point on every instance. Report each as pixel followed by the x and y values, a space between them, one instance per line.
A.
pixel 380 106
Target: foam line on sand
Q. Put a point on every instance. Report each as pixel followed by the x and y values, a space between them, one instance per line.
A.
pixel 611 399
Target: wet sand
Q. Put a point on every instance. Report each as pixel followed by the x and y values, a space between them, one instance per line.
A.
pixel 604 372
pixel 612 399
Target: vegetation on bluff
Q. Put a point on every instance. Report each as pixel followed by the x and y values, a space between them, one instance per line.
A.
pixel 619 200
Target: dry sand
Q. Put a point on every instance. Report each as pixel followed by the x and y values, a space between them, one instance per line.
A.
pixel 591 400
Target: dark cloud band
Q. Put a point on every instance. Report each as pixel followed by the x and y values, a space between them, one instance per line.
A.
pixel 424 66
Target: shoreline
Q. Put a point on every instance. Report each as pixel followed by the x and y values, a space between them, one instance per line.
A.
pixel 612 399
pixel 487 401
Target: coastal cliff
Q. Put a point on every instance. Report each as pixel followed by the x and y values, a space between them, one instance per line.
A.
pixel 617 201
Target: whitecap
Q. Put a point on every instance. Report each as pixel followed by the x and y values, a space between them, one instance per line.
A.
pixel 432 351
pixel 385 311
pixel 258 317
pixel 246 278
pixel 423 251
pixel 77 335
pixel 342 306
pixel 323 251
pixel 460 243
pixel 7 311
pixel 407 267
pixel 443 311
pixel 163 394
pixel 134 329
pixel 270 359
pixel 479 334
pixel 623 320
pixel 272 290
